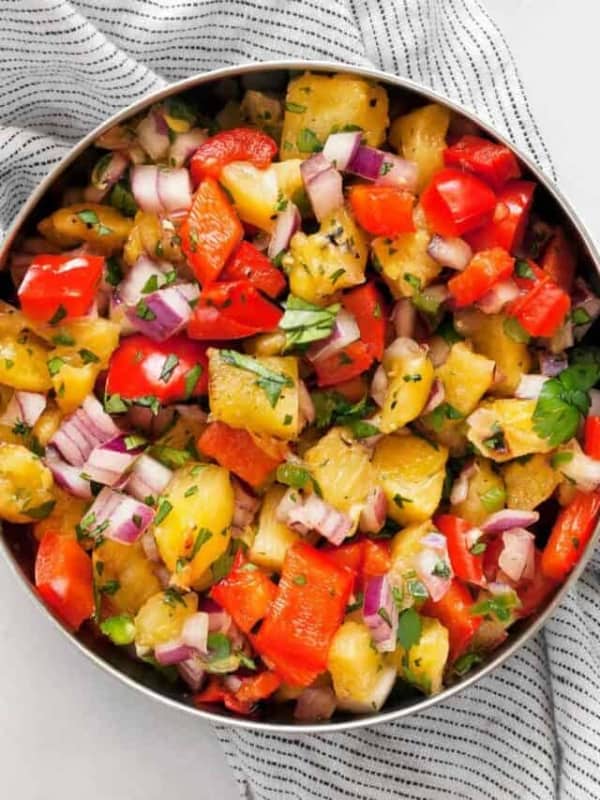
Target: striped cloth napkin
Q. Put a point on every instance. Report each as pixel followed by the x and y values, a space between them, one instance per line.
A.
pixel 530 730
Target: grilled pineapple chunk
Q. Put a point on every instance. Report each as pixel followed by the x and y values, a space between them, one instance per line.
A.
pixel 154 237
pixel 412 472
pixel 98 338
pixel 162 616
pixel 242 396
pixel 485 494
pixel 23 363
pixel 410 376
pixel 127 575
pixel 421 137
pixel 503 429
pixel 530 482
pixel 273 538
pixel 317 105
pixel 466 376
pixel 322 263
pixel 423 665
pixel 25 485
pixel 72 382
pixel 66 514
pixel 489 337
pixel 405 265
pixel 406 545
pixel 93 223
pixel 194 513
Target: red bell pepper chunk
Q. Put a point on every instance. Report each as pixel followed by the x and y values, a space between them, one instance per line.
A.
pixel 484 270
pixel 311 600
pixel 456 202
pixel 571 533
pixel 534 592
pixel 348 556
pixel 466 566
pixel 57 287
pixel 248 263
pixel 591 437
pixel 238 451
pixel 343 365
pixel 382 210
pixel 507 227
pixel 258 687
pixel 169 371
pixel 363 558
pixel 542 309
pixel 454 612
pixel 377 558
pixel 492 162
pixel 232 310
pixel 245 593
pixel 63 578
pixel 238 144
pixel 211 232
pixel 559 261
pixel 366 303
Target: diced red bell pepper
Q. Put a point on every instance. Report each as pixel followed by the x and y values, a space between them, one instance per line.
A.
pixel 534 592
pixel 213 692
pixel 484 270
pixel 63 578
pixel 238 144
pixel 467 566
pixel 492 162
pixel 507 227
pixel 377 558
pixel 542 309
pixel 248 263
pixel 348 556
pixel 454 612
pixel 367 304
pixel 456 202
pixel 57 287
pixel 364 558
pixel 245 593
pixel 571 533
pixel 591 437
pixel 382 210
pixel 354 389
pixel 169 371
pixel 258 687
pixel 343 365
pixel 232 310
pixel 211 232
pixel 560 260
pixel 311 600
pixel 238 451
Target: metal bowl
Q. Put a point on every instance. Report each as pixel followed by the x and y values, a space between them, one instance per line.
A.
pixel 212 88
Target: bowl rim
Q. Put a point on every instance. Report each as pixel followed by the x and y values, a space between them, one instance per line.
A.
pixel 236 71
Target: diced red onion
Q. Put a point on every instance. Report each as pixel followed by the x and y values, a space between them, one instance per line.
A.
pixel 396 171
pixel 189 291
pixel 315 514
pixel 148 478
pixel 185 145
pixel 498 296
pixel 404 317
pixel 435 540
pixel 583 470
pixel 313 166
pixel 287 223
pixel 425 563
pixel 144 185
pixel 153 135
pixel 460 487
pixel 89 427
pixel 290 500
pixel 552 364
pixel 108 170
pixel 26 407
pixel 518 553
pixel 171 313
pixel 530 386
pixel 174 188
pixel 439 350
pixel 379 385
pixel 380 613
pixel 563 339
pixel 436 397
pixel 585 299
pixel 108 462
pixel 67 476
pixel 245 505
pixel 127 518
pixel 195 631
pixel 340 148
pixel 450 252
pixel 594 403
pixel 509 518
pixel 219 621
pixel 306 406
pixel 373 515
pixel 173 652
pixel 401 347
pixel 499 587
pixel 366 163
pixel 150 547
pixel 232 682
pixel 325 193
pixel 192 672
pixel 344 332
pixel 315 702
pixel 130 288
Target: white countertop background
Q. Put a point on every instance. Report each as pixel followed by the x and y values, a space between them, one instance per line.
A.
pixel 67 730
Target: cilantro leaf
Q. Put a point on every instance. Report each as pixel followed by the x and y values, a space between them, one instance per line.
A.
pixel 409 628
pixel 270 381
pixel 304 322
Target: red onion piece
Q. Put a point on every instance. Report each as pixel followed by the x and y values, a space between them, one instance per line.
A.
pixel 89 427
pixel 380 613
pixel 325 193
pixel 108 170
pixel 396 171
pixel 305 404
pixel 450 252
pixel 144 185
pixel 517 554
pixel 195 631
pixel 366 163
pixel 313 166
pixel 148 478
pixel 245 505
pixel 530 386
pixel 583 470
pixel 153 135
pixel 344 332
pixel 498 296
pixel 340 148
pixel 150 548
pixel 404 317
pixel 435 540
pixel 119 517
pixel 379 385
pixel 130 290
pixel 67 476
pixel 460 487
pixel 192 672
pixel 189 291
pixel 174 188
pixel 107 466
pixel 585 299
pixel 173 652
pixel 373 516
pixel 185 145
pixel 290 500
pixel 315 514
pixel 563 339
pixel 26 407
pixel 437 395
pixel 316 702
pixel 508 518
pixel 427 563
pixel 594 403
pixel 171 313
pixel 552 364
pixel 287 223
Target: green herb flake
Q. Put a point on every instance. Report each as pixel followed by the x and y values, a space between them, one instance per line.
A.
pixel 119 629
pixel 88 357
pixel 466 662
pixel 114 404
pixel 59 314
pixel 515 331
pixel 109 588
pixel 440 414
pixel 294 108
pixel 499 606
pixel 441 569
pixel 88 217
pixel 170 363
pixel 413 281
pixel 164 509
pixel 401 501
pixel 202 538
pixel 478 548
pixel 219 646
pixel 385 616
pixel 192 376
pixel 41 511
pixel 144 312
pixel 299 580
pixel 415 378
pixel 356 603
pixel 148 401
pixel 308 142
pixel 523 270
pixel 270 381
pixel 173 596
pixel 63 338
pixel 133 441
pixel 337 275
pixel 417 589
pixel 494 499
pixel 410 627
pixel 191 491
pixel 304 322
pixel 579 316
pixel 558 459
pixel 448 332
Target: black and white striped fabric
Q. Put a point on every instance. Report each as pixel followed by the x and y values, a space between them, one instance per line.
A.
pixel 532 729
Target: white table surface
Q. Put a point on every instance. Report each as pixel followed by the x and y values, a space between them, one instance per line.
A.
pixel 68 730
